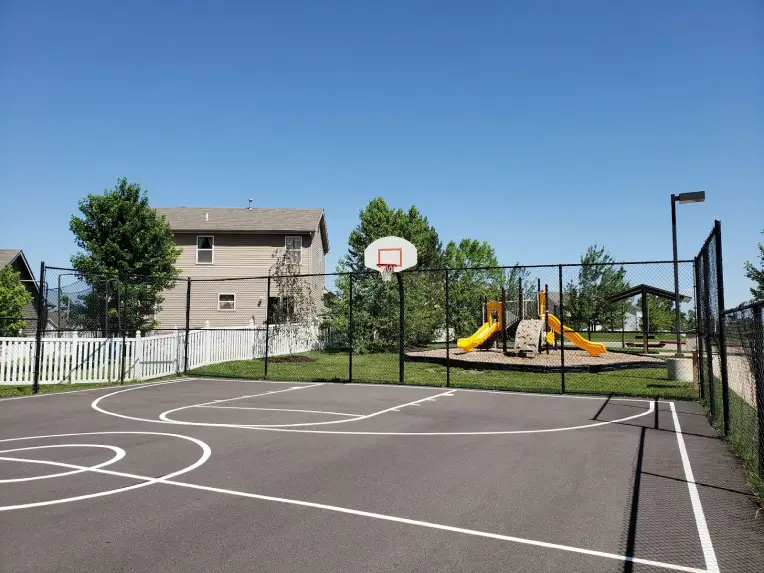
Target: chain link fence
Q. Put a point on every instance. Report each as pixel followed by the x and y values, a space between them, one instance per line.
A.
pixel 745 374
pixel 729 358
pixel 547 328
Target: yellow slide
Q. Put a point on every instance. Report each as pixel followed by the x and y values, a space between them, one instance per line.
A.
pixel 593 348
pixel 483 333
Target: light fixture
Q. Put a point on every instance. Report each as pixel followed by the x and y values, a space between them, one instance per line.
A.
pixel 694 197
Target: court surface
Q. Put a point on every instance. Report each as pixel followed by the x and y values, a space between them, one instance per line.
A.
pixel 239 476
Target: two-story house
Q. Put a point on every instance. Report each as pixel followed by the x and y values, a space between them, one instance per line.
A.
pixel 15 259
pixel 231 243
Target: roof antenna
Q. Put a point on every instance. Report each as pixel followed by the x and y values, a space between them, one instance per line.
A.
pixel 250 204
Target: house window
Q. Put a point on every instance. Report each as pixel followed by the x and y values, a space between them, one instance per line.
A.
pixel 205 246
pixel 281 309
pixel 226 302
pixel 293 246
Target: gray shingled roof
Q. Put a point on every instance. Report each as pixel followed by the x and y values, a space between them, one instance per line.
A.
pixel 7 256
pixel 242 220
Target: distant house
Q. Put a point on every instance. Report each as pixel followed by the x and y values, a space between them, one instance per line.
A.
pixel 15 259
pixel 224 243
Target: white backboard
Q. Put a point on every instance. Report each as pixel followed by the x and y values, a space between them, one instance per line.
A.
pixel 390 251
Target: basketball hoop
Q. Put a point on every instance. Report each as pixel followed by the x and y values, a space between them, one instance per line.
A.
pixel 386 272
pixel 389 255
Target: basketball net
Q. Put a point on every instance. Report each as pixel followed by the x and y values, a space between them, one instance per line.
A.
pixel 386 271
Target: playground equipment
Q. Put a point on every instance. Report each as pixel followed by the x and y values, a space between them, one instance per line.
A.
pixel 593 348
pixel 486 334
pixel 390 255
pixel 526 332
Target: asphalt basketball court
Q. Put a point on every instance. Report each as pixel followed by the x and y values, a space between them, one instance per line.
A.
pixel 224 475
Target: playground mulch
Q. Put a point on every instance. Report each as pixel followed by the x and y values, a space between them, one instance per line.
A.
pixel 574 359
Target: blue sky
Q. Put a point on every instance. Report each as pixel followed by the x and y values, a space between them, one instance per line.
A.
pixel 541 127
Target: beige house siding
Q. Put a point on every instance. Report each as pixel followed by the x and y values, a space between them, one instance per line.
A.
pixel 235 256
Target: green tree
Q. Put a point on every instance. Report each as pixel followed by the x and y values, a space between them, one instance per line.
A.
pixel 586 302
pixel 689 320
pixel 375 303
pixel 757 274
pixel 379 220
pixel 13 299
pixel 128 260
pixel 661 315
pixel 471 286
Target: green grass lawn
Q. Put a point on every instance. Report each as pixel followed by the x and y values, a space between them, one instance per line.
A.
pixel 383 368
pixel 743 437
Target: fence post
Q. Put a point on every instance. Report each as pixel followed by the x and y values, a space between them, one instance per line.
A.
pixel 188 322
pixel 504 319
pixel 124 359
pixel 38 334
pixel 546 316
pixel 106 308
pixel 722 328
pixel 758 377
pixel 176 344
pixel 645 322
pixel 562 332
pixel 58 306
pixel 401 328
pixel 350 327
pixel 121 331
pixel 207 357
pixel 73 362
pixel 448 336
pixel 698 326
pixel 708 330
pixel 267 324
pixel 138 357
pixel 623 326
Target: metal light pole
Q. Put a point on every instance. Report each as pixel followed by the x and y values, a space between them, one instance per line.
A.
pixel 694 197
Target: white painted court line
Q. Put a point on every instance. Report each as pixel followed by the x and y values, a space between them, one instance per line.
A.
pixel 368 514
pixel 97 408
pixel 283 410
pixel 252 381
pixel 700 519
pixel 501 392
pixel 132 387
pixel 164 415
pixel 95 405
pixel 650 410
pixel 206 453
pixel 151 383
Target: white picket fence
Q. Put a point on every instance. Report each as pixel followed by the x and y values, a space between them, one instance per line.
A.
pixel 74 359
pixel 215 346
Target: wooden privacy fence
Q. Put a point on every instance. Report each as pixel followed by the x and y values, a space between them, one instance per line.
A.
pixel 74 359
